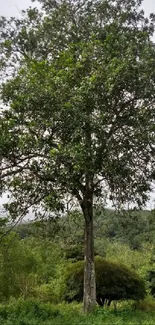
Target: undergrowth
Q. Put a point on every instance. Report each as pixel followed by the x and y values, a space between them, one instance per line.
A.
pixel 32 312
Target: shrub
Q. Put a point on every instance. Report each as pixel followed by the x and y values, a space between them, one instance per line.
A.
pixel 151 279
pixel 74 252
pixel 148 304
pixel 113 281
pixel 30 307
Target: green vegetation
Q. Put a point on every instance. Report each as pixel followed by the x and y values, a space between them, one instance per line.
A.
pixel 41 273
pixel 32 312
pixel 113 282
pixel 78 84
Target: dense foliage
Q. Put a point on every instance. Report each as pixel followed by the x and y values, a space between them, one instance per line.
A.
pixel 34 260
pixel 151 279
pixel 34 257
pixel 78 84
pixel 33 312
pixel 113 281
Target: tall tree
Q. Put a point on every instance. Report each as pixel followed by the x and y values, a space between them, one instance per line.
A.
pixel 79 87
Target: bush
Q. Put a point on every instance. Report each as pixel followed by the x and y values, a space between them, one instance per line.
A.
pixel 30 308
pixel 74 252
pixel 113 281
pixel 151 279
pixel 148 304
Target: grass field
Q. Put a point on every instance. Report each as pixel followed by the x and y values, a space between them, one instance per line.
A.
pixel 34 313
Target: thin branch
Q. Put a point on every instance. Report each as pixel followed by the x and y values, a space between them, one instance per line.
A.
pixel 21 168
pixel 13 172
pixel 12 227
pixel 77 195
pixel 21 217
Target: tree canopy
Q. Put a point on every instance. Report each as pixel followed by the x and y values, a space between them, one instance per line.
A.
pixel 79 89
pixel 81 101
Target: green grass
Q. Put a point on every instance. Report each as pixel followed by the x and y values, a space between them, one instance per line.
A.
pixel 32 312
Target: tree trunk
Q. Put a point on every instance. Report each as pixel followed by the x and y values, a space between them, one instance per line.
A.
pixel 89 298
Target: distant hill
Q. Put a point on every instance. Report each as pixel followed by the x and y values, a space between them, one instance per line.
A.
pixel 131 227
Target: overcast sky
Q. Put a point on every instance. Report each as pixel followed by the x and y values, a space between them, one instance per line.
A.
pixel 14 7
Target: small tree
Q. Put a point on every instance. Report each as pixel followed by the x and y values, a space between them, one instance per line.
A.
pixel 113 282
pixel 79 89
pixel 17 268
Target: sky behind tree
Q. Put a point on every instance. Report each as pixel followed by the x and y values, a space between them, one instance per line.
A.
pixel 14 7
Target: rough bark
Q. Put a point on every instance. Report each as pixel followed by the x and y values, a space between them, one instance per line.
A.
pixel 89 298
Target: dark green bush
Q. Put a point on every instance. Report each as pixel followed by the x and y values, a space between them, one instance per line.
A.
pixel 114 282
pixel 74 252
pixel 151 280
